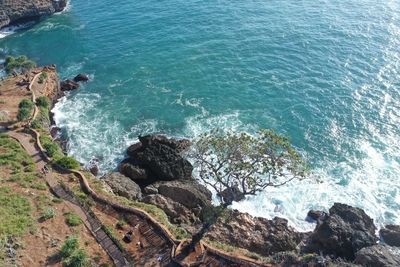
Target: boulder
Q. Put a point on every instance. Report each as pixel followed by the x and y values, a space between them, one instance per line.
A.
pixel 255 234
pixel 123 186
pixel 317 215
pixel 378 256
pixel 176 212
pixel 345 231
pixel 232 194
pixel 133 171
pixel 164 162
pixel 391 235
pixel 188 193
pixel 81 77
pixel 177 145
pixel 69 85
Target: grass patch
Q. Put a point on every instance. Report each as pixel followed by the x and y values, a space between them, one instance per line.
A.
pixel 48 214
pixel 14 155
pixel 72 219
pixel 42 120
pixel 72 255
pixel 68 163
pixel 52 148
pixel 15 213
pixel 42 77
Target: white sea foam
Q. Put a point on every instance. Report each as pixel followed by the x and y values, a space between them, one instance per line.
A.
pixel 6 31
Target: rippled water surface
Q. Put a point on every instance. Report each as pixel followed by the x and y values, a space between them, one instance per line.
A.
pixel 324 73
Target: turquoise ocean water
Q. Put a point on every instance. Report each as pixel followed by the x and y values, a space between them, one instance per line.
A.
pixel 325 73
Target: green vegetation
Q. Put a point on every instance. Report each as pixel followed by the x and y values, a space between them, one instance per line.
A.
pixel 110 232
pixel 72 219
pixel 43 101
pixel 4 116
pixel 19 64
pixel 52 148
pixel 25 110
pixel 120 224
pixel 70 245
pixel 48 214
pixel 42 77
pixel 15 213
pixel 14 156
pixel 68 163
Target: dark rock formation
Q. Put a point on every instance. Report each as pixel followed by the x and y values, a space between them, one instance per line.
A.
pixel 259 235
pixel 164 162
pixel 317 215
pixel 188 193
pixel 176 212
pixel 378 256
pixel 93 166
pixel 345 231
pixel 159 157
pixel 391 235
pixel 232 194
pixel 123 186
pixel 16 11
pixel 69 85
pixel 133 171
pixel 81 77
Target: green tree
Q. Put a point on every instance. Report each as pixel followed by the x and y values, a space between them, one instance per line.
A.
pixel 19 64
pixel 236 165
pixel 43 101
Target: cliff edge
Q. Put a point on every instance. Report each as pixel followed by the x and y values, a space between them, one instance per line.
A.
pixel 15 11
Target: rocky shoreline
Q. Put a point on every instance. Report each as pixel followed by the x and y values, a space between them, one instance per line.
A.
pixel 157 173
pixel 20 11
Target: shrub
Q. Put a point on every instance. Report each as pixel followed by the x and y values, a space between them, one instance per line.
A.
pixel 26 103
pixel 68 248
pixel 43 101
pixel 52 149
pixel 48 214
pixel 42 77
pixel 78 259
pixel 73 219
pixel 68 163
pixel 24 114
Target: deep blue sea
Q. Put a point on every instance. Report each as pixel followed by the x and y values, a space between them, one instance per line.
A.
pixel 324 73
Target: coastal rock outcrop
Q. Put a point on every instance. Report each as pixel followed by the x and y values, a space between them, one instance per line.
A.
pixel 188 193
pixel 69 85
pixel 16 11
pixel 255 234
pixel 159 157
pixel 176 212
pixel 378 256
pixel 391 235
pixel 123 186
pixel 343 232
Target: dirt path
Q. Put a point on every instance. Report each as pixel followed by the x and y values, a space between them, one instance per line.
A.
pixel 90 221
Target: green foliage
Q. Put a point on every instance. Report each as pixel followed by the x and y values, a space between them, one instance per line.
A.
pixel 19 64
pixel 78 259
pixel 68 163
pixel 43 101
pixel 48 214
pixel 240 164
pixel 68 248
pixel 110 232
pixel 42 77
pixel 25 110
pixel 120 224
pixel 72 219
pixel 52 149
pixel 26 103
pixel 15 213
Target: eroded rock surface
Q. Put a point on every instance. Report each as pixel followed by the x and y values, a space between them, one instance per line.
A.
pixel 15 11
pixel 391 235
pixel 378 256
pixel 123 186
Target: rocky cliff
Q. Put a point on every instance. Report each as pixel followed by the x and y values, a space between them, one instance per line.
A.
pixel 15 11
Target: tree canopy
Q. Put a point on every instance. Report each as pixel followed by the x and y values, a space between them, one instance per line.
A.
pixel 240 164
pixel 20 63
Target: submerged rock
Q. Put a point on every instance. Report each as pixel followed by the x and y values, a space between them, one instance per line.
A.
pixel 123 186
pixel 69 85
pixel 345 231
pixel 378 256
pixel 81 77
pixel 391 235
